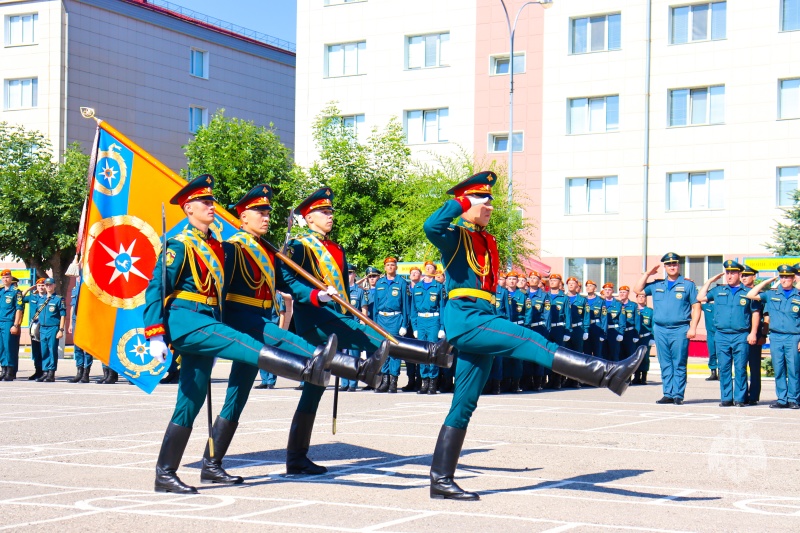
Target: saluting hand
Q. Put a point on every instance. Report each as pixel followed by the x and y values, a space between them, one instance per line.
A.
pixel 477 200
pixel 654 270
pixel 715 278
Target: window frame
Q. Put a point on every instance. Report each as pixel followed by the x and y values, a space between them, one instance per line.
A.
pixel 709 270
pixel 690 106
pixel 359 134
pixel 781 20
pixel 689 174
pixel 7 93
pixel 492 136
pixel 778 179
pixel 780 99
pixel 439 63
pixel 422 112
pixel 495 57
pixel 205 54
pixel 359 49
pixel 690 23
pixel 588 114
pixel 7 29
pixel 587 189
pixel 584 276
pixel 203 118
pixel 571 33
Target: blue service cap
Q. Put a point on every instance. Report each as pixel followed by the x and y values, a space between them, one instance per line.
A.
pixel 372 270
pixel 749 271
pixel 49 281
pixel 670 257
pixel 787 270
pixel 732 266
pixel 351 267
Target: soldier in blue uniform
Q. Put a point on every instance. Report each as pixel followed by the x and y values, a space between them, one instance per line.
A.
pixel 536 320
pixel 628 345
pixel 713 364
pixel 503 309
pixel 613 323
pixel 34 297
pixel 268 379
pixel 190 319
pixel 83 360
pixel 519 311
pixel 754 356
pixel 51 320
pixel 372 280
pixel 317 316
pixel 358 299
pixel 557 321
pixel 736 321
pixel 594 308
pixel 11 309
pixel 676 313
pixel 782 304
pixel 579 320
pixel 392 314
pixel 643 325
pixel 458 230
pixel 427 322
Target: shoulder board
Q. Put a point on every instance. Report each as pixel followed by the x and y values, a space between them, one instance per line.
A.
pixel 689 279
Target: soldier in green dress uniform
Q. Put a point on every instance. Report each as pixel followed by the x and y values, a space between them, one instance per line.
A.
pixel 458 230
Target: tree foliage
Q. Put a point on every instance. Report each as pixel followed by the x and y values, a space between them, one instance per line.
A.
pixel 40 200
pixel 240 155
pixel 787 235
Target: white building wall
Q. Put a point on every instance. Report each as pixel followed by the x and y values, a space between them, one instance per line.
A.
pixel 386 88
pixel 748 146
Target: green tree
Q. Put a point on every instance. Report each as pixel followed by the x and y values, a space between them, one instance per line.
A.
pixel 40 200
pixel 240 155
pixel 787 236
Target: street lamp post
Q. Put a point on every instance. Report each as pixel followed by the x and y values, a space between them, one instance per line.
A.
pixel 511 29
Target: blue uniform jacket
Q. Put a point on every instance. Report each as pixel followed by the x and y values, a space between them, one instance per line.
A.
pixel 734 312
pixel 708 313
pixel 613 319
pixel 629 309
pixel 10 302
pixel 643 321
pixel 784 311
pixel 556 311
pixel 672 306
pixel 391 296
pixel 518 304
pixel 501 302
pixel 426 300
pixel 52 312
pixel 536 314
pixel 594 308
pixel 578 315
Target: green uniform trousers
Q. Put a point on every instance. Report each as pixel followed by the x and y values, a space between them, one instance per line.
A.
pixel 477 349
pixel 242 376
pixel 352 335
pixel 198 350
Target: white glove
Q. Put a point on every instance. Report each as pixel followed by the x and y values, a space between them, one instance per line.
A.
pixel 158 348
pixel 566 338
pixel 477 200
pixel 651 343
pixel 635 340
pixel 585 336
pixel 416 334
pixel 441 334
pixel 602 339
pixel 328 294
pixel 619 338
pixel 402 331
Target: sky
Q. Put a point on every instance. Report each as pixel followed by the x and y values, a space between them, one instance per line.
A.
pixel 277 18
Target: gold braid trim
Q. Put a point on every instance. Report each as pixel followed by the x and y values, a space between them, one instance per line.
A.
pixel 241 266
pixel 472 260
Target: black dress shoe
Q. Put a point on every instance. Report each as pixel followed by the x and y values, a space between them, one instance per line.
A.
pixel 261 386
pixel 739 404
pixel 677 401
pixel 752 402
pixel 778 405
pixel 728 403
pixel 793 405
pixel 665 399
pixel 714 376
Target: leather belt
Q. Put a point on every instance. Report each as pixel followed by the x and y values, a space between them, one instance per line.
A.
pixel 390 313
pixel 628 329
pixel 194 297
pixel 558 324
pixel 645 335
pixel 473 293
pixel 520 322
pixel 595 321
pixel 613 326
pixel 537 324
pixel 247 300
pixel 427 315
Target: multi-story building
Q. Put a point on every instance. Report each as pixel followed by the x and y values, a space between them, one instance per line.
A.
pixel 154 70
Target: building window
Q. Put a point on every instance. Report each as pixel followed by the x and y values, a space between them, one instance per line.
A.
pixel 703 105
pixel 790 15
pixel 198 63
pixel 593 115
pixel 701 268
pixel 198 118
pixel 355 125
pixel 698 22
pixel 499 64
pixel 426 51
pixel 787 185
pixel 592 196
pixel 598 269
pixel 426 126
pixel 695 190
pixel 22 94
pixel 498 142
pixel 21 29
pixel 789 103
pixel 346 59
pixel 595 34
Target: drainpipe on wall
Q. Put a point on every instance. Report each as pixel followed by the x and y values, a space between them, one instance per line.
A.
pixel 645 189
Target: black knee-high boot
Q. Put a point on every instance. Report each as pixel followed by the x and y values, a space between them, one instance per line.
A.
pixel 355 369
pixel 297 461
pixel 212 471
pixel 438 353
pixel 169 459
pixel 443 466
pixel 598 372
pixel 314 370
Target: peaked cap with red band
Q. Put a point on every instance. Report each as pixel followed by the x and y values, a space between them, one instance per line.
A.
pixel 259 197
pixel 322 198
pixel 200 188
pixel 479 184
